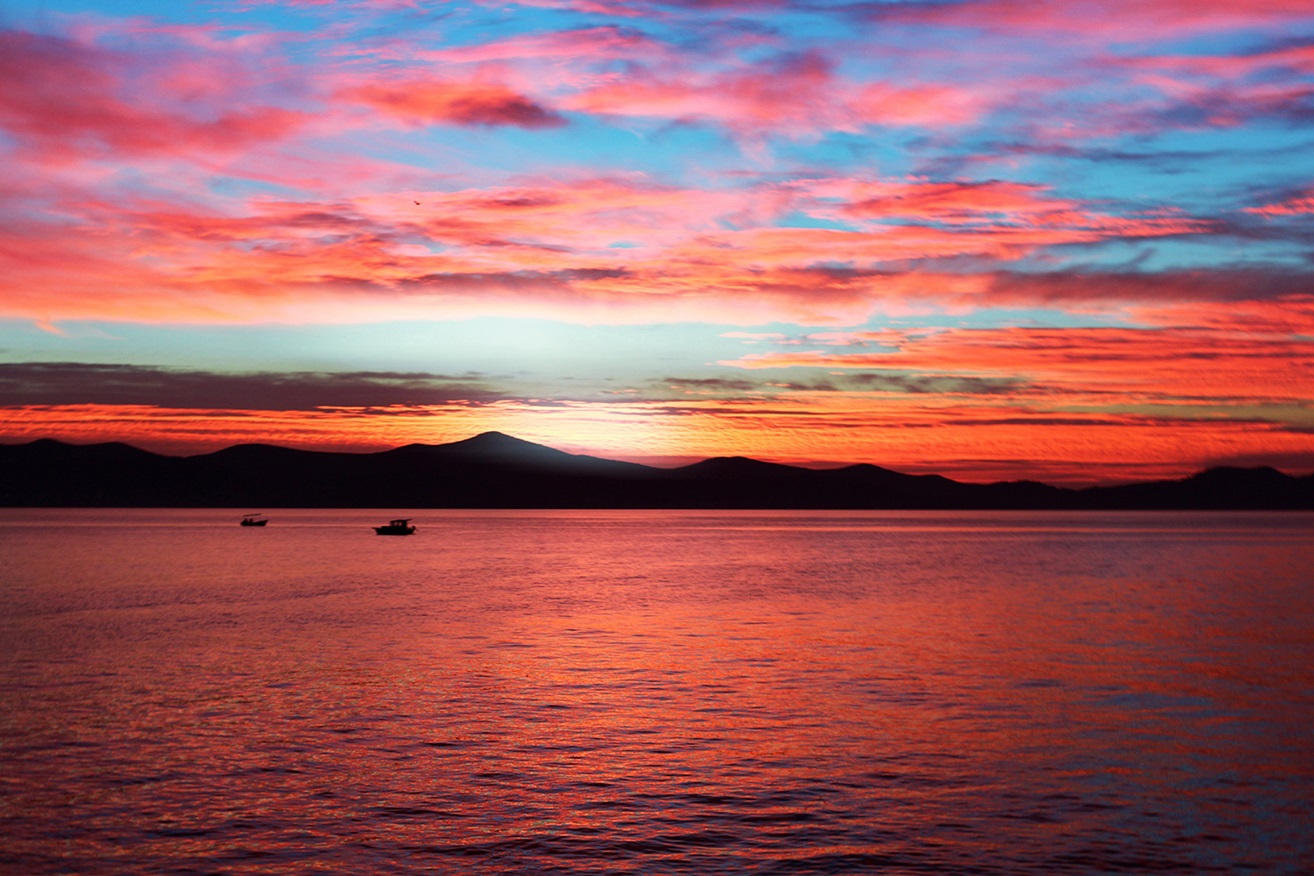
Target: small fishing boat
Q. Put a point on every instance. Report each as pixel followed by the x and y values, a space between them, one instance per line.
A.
pixel 400 526
pixel 254 520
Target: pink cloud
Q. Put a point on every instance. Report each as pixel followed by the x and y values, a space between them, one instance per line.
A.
pixel 1289 315
pixel 1123 20
pixel 1114 366
pixel 621 247
pixel 1171 92
pixel 797 95
pixel 572 47
pixel 435 101
pixel 776 98
pixel 61 98
pixel 1299 59
pixel 1299 204
pixel 951 202
pixel 927 105
pixel 1192 104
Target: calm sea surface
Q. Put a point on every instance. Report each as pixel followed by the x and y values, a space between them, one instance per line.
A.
pixel 656 692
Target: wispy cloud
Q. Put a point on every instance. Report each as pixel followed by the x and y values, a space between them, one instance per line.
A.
pixel 1107 366
pixel 76 383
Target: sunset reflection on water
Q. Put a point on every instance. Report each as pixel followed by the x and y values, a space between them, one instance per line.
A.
pixel 655 692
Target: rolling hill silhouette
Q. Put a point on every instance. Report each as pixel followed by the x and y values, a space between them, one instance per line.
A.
pixel 494 470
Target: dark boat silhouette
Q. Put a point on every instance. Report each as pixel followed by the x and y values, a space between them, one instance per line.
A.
pixel 400 526
pixel 254 520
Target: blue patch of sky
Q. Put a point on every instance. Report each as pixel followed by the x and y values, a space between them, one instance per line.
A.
pixel 812 25
pixel 231 19
pixel 491 345
pixel 218 348
pixel 1201 251
pixel 668 152
pixel 483 22
pixel 1225 251
pixel 45 17
pixel 1199 173
pixel 1206 44
pixel 1258 152
pixel 1004 317
pixel 912 54
pixel 137 183
pixel 889 152
pixel 520 349
pixel 803 220
pixel 242 188
pixel 473 156
pixel 1123 173
pixel 1242 143
pixel 699 154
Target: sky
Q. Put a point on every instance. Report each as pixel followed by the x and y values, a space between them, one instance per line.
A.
pixel 990 239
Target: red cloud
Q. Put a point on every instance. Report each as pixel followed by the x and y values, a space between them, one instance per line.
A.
pixel 1296 205
pixel 1115 366
pixel 783 97
pixel 927 105
pixel 430 101
pixel 1299 59
pixel 61 98
pixel 1148 288
pixel 1283 316
pixel 798 95
pixel 605 43
pixel 952 202
pixel 615 249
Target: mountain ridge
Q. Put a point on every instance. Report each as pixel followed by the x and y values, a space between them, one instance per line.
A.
pixel 495 470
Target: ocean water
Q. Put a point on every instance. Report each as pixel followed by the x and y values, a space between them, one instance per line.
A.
pixel 656 692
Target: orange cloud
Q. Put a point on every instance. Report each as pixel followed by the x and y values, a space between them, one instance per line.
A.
pixel 603 248
pixel 951 202
pixel 1280 318
pixel 1105 366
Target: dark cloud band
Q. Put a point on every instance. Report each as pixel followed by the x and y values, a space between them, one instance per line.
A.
pixel 68 383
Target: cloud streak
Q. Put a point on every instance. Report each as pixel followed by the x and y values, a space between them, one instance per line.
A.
pixel 76 383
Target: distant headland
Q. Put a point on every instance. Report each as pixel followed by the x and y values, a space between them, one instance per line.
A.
pixel 493 470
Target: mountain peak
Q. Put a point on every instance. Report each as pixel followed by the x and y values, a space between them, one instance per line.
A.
pixel 737 466
pixel 495 470
pixel 496 441
pixel 504 448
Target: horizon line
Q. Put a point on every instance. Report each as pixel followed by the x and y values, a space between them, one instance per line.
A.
pixel 819 467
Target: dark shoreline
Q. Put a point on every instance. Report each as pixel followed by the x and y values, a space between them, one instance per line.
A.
pixel 497 471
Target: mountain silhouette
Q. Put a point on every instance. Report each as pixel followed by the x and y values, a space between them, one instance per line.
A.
pixel 494 470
